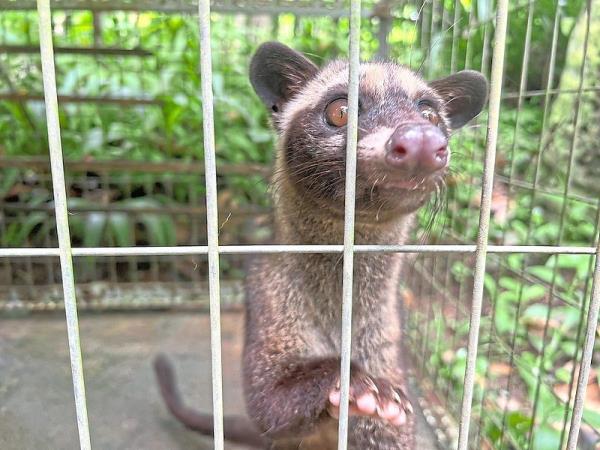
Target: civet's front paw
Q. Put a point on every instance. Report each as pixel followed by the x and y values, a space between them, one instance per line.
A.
pixel 373 397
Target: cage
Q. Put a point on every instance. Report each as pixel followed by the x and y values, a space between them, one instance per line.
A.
pixel 503 287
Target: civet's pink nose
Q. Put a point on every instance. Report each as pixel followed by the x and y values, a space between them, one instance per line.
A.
pixel 417 148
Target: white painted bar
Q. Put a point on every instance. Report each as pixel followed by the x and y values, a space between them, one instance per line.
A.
pixel 484 219
pixel 62 221
pixel 263 249
pixel 349 207
pixel 212 220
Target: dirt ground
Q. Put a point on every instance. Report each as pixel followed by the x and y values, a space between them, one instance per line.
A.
pixel 124 407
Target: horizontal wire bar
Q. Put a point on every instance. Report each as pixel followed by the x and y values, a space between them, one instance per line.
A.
pixel 124 101
pixel 91 51
pixel 543 92
pixel 184 6
pixel 124 165
pixel 132 210
pixel 526 185
pixel 273 249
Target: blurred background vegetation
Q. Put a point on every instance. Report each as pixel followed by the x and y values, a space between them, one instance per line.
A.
pixel 131 123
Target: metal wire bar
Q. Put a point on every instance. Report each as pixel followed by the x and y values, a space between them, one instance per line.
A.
pixel 535 189
pixel 62 221
pixel 123 101
pixel 469 49
pixel 484 219
pixel 427 65
pixel 485 51
pixel 542 92
pixel 455 35
pixel 546 191
pixel 425 24
pixel 212 220
pixel 349 207
pixel 129 166
pixel 582 308
pixel 94 51
pixel 571 162
pixel 522 89
pixel 432 43
pixel 586 357
pixel 471 185
pixel 318 8
pixel 273 249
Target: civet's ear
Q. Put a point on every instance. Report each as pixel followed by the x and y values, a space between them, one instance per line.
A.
pixel 277 72
pixel 465 94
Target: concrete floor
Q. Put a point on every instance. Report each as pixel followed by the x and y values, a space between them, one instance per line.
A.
pixel 124 407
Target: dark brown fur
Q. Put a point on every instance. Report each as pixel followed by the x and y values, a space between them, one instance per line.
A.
pixel 293 330
pixel 293 301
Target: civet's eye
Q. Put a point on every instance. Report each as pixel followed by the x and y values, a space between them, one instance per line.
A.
pixel 429 113
pixel 336 113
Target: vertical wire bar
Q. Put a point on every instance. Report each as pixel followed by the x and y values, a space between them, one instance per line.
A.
pixel 472 182
pixel 432 43
pixel 534 192
pixel 563 211
pixel 132 274
pixel 470 33
pixel 520 101
pixel 484 219
pixel 586 357
pixel 428 58
pixel 8 268
pixel 28 275
pixel 212 220
pixel 468 64
pixel 418 29
pixel 112 261
pixel 349 204
pixel 50 275
pixel 62 221
pixel 486 48
pixel 453 218
pixel 425 23
pixel 426 329
pixel 455 36
pixel 583 308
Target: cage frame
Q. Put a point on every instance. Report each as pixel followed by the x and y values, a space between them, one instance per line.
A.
pixel 481 249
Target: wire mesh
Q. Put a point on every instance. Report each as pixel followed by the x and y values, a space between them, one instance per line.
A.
pixel 443 283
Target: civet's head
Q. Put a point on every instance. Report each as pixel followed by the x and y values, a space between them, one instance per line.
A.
pixel 404 124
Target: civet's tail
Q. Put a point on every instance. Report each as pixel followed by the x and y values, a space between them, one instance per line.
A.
pixel 237 429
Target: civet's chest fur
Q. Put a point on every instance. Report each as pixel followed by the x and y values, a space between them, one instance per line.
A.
pixel 293 323
pixel 312 283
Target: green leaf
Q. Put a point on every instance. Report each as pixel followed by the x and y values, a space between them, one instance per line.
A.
pixel 121 229
pixel 545 274
pixel 489 283
pixel 533 292
pixel 546 438
pixel 503 320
